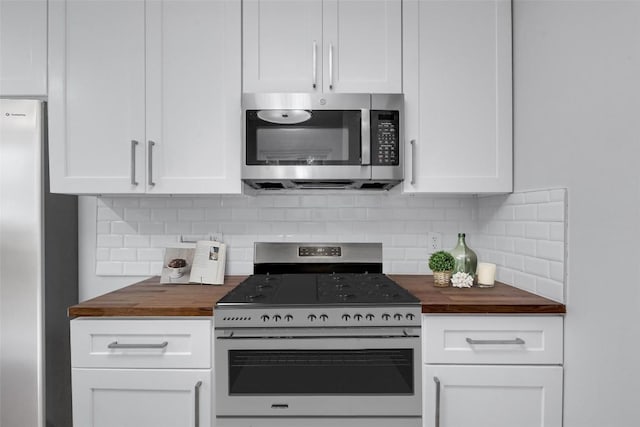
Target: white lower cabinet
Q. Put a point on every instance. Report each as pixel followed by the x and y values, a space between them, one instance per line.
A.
pixel 142 372
pixel 492 371
pixel 141 397
pixel 492 396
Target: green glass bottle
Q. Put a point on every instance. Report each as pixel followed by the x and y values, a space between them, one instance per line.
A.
pixel 466 259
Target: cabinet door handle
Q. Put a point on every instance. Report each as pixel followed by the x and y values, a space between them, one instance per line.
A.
pixel 501 342
pixel 134 144
pixel 330 66
pixel 151 144
pixel 315 64
pixel 116 344
pixel 437 381
pixel 413 161
pixel 196 391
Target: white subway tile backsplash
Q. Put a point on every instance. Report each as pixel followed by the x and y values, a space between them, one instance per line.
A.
pixel 536 266
pixel 514 229
pixel 164 214
pixel 536 196
pixel 136 241
pixel 119 227
pixel 136 214
pixel 135 268
pixel 551 212
pixel 550 289
pixel 108 268
pixel 109 214
pixel 109 241
pixel 151 227
pixel 537 230
pixel 153 202
pixel 150 254
pixel 103 227
pixel 526 212
pixel 523 233
pixel 550 250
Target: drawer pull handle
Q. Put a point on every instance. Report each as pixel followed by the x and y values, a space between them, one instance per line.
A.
pixel 116 344
pixel 501 342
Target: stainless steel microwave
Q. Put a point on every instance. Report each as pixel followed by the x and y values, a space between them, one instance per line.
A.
pixel 322 141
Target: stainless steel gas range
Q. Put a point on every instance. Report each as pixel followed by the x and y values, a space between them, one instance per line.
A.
pixel 318 337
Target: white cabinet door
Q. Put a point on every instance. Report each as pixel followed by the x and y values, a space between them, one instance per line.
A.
pixel 97 96
pixel 458 103
pixel 492 396
pixel 23 48
pixel 145 97
pixel 362 44
pixel 282 49
pixel 193 97
pixel 141 398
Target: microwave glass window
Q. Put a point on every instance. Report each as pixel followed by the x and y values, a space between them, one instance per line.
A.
pixel 327 137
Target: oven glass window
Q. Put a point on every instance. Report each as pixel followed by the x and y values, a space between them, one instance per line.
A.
pixel 300 137
pixel 373 371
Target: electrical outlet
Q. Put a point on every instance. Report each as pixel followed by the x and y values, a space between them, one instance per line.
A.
pixel 434 242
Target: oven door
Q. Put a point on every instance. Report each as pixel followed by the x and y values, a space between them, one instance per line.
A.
pixel 330 372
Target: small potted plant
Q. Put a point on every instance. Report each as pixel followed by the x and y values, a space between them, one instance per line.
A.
pixel 441 263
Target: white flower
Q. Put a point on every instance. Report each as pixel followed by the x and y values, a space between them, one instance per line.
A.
pixel 462 280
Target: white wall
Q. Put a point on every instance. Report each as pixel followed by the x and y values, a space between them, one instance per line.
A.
pixel 577 125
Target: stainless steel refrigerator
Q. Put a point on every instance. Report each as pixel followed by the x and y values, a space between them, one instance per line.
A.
pixel 38 274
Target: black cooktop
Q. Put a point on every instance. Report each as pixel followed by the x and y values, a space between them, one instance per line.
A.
pixel 318 289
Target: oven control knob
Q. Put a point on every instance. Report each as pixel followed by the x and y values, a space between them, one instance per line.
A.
pixel 346 317
pixel 276 317
pixel 410 316
pixel 288 318
pixel 358 317
pixel 385 316
pixel 264 317
pixel 324 317
pixel 397 316
pixel 369 316
pixel 312 317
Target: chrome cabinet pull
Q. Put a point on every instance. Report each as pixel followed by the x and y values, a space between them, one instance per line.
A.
pixel 196 391
pixel 315 64
pixel 151 144
pixel 437 381
pixel 330 66
pixel 501 342
pixel 134 144
pixel 116 344
pixel 413 161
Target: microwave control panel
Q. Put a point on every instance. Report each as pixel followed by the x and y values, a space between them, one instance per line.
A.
pixel 385 138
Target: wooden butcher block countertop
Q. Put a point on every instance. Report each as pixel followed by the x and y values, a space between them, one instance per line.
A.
pixel 150 298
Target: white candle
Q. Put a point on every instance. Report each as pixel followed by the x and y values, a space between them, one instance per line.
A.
pixel 486 273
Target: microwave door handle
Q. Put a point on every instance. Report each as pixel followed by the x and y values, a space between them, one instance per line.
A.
pixel 366 137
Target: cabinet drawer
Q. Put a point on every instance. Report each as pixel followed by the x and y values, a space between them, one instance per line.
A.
pixel 132 343
pixel 492 339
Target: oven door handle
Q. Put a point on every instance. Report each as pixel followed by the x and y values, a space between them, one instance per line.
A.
pixel 311 337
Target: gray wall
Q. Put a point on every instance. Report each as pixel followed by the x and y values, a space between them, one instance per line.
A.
pixel 577 124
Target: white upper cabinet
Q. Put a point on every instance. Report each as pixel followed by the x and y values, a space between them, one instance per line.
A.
pixel 362 41
pixel 193 97
pixel 23 48
pixel 322 46
pixel 458 100
pixel 96 96
pixel 144 97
